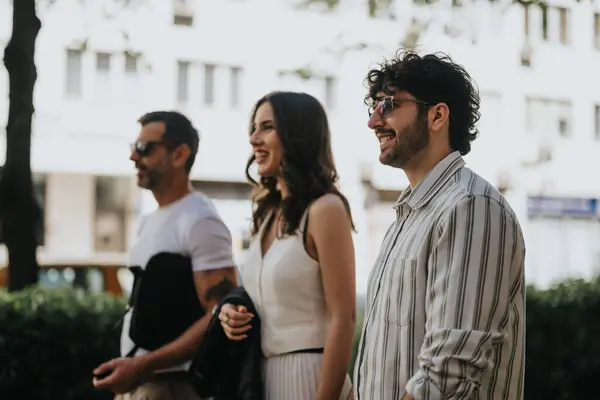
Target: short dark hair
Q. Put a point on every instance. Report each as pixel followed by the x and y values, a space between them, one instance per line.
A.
pixel 178 130
pixel 431 79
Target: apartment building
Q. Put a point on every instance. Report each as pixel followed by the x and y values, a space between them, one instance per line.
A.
pixel 101 66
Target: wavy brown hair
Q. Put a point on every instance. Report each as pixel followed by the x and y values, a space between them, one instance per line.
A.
pixel 307 167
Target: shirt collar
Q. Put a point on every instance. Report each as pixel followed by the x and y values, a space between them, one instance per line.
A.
pixel 433 181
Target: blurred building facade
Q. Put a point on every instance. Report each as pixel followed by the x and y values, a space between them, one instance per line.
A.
pixel 102 66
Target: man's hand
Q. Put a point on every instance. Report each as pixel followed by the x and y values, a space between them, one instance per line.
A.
pixel 126 375
pixel 407 397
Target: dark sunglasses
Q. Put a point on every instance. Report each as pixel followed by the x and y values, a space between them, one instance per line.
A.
pixel 145 148
pixel 385 107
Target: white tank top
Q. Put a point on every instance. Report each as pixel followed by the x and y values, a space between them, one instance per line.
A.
pixel 287 290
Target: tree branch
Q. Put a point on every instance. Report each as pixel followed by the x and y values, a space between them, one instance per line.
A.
pixel 412 34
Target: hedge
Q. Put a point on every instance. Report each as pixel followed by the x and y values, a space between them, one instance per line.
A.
pixel 50 341
pixel 563 341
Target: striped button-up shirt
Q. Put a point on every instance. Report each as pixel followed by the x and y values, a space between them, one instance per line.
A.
pixel 445 312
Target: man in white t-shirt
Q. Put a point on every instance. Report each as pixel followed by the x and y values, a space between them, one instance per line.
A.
pixel 185 223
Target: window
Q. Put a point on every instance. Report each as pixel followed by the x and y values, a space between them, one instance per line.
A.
pixel 246 239
pixel 597 30
pixel 73 77
pixel 183 71
pixel 563 30
pixel 544 10
pixel 549 118
pixel 330 86
pixel 563 126
pixel 103 82
pixel 597 121
pixel 236 73
pixel 534 115
pixel 526 54
pixel 112 203
pixel 132 83
pixel 564 118
pixel 39 192
pixel 209 84
pixel 131 64
pixel 103 62
pixel 183 13
pixel 526 19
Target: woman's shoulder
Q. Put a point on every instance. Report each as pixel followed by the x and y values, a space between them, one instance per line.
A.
pixel 327 203
pixel 329 213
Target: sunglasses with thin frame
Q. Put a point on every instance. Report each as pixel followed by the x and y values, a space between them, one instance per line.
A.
pixel 385 106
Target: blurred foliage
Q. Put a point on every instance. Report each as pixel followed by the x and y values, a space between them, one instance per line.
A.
pixel 563 346
pixel 374 5
pixel 51 340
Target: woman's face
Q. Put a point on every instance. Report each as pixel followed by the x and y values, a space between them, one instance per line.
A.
pixel 265 142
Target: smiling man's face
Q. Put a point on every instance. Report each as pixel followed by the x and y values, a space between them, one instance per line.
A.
pixel 401 130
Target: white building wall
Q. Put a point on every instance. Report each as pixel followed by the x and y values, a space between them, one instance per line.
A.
pixel 89 134
pixel 70 216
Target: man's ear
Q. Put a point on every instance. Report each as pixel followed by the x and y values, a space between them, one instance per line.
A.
pixel 439 116
pixel 181 154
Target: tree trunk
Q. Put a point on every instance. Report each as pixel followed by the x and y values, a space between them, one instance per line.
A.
pixel 19 211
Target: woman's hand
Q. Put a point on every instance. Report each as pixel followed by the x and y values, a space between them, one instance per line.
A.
pixel 235 321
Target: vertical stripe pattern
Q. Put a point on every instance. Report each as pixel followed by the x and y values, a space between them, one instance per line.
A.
pixel 445 312
pixel 295 376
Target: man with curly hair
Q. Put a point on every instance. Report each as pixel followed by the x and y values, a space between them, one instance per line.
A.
pixel 445 309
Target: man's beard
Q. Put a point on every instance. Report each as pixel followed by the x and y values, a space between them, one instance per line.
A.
pixel 409 142
pixel 149 179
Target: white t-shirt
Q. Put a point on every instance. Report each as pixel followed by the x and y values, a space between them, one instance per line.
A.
pixel 190 226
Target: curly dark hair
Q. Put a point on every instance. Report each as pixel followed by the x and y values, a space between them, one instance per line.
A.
pixel 432 79
pixel 308 168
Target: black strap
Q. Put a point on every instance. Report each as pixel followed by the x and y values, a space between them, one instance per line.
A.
pixel 309 351
pixel 137 274
pixel 132 352
pixel 305 233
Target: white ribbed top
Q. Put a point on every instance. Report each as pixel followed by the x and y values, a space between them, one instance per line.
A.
pixel 287 290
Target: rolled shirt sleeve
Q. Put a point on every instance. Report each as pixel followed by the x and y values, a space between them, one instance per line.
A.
pixel 468 299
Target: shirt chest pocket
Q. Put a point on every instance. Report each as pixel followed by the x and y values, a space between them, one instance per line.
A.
pixel 401 300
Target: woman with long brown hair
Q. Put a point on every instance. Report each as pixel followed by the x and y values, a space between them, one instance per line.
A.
pixel 300 267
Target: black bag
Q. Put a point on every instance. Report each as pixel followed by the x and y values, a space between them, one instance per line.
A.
pixel 164 300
